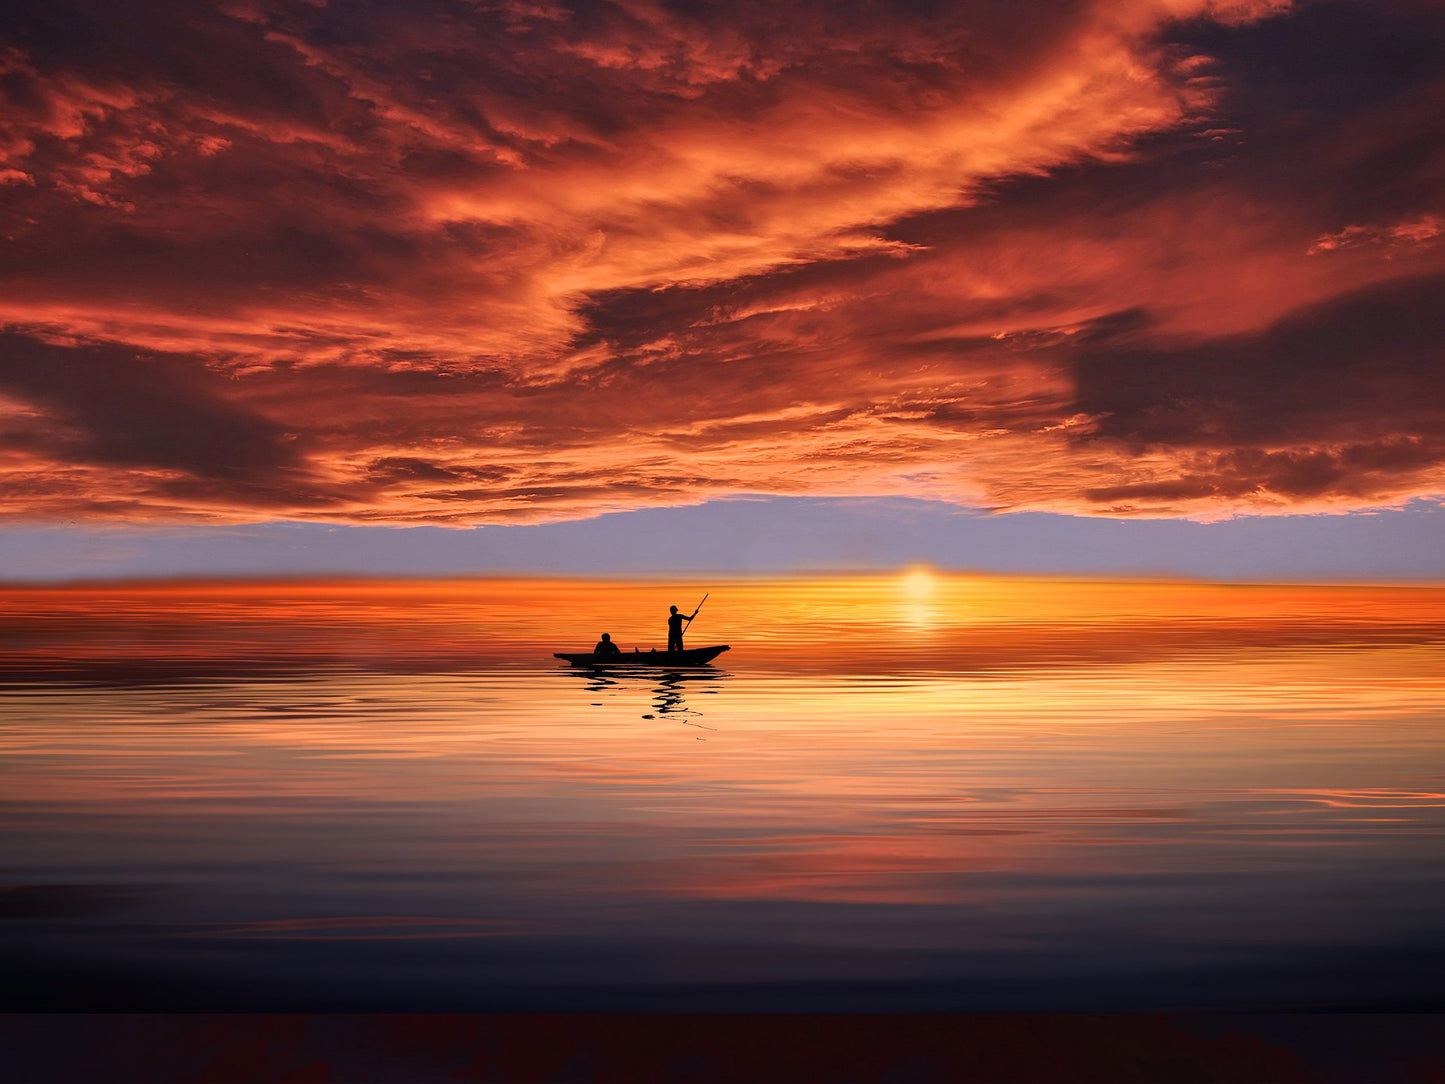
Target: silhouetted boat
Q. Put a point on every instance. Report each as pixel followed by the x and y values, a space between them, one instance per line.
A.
pixel 691 656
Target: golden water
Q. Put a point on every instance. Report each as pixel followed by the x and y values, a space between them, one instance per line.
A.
pixel 912 791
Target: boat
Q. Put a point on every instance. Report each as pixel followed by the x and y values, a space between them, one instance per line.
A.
pixel 688 656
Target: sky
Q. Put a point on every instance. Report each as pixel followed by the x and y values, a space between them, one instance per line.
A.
pixel 1067 285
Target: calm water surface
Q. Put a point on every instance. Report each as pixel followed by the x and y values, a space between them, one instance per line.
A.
pixel 905 792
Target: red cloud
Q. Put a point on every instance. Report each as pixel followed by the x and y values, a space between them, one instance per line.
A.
pixel 470 263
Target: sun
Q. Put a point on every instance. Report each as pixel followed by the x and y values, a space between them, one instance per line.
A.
pixel 919 582
pixel 918 598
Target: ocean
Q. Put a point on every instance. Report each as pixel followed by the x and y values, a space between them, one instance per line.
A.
pixel 920 792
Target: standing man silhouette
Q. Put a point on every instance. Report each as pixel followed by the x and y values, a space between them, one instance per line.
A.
pixel 674 628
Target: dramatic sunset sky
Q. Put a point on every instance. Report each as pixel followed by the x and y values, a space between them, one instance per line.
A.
pixel 1061 285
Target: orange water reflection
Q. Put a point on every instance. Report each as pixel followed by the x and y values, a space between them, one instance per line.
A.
pixel 887 623
pixel 1039 768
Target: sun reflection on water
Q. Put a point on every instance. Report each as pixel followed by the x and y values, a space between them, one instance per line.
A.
pixel 1117 776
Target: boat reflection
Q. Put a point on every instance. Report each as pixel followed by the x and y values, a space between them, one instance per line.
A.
pixel 669 688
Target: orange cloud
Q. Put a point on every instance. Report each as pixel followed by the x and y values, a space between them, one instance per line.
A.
pixel 464 263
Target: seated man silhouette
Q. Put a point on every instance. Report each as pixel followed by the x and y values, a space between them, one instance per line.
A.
pixel 674 628
pixel 605 648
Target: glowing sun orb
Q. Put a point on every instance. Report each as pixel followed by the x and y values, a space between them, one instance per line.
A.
pixel 918 583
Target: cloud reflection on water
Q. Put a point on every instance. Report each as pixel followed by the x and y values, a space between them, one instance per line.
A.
pixel 1221 797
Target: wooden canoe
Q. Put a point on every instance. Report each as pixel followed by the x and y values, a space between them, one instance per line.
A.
pixel 691 656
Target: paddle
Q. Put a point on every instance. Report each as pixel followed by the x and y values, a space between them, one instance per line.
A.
pixel 696 611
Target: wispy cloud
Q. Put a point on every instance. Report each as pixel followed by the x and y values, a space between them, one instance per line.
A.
pixel 489 262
